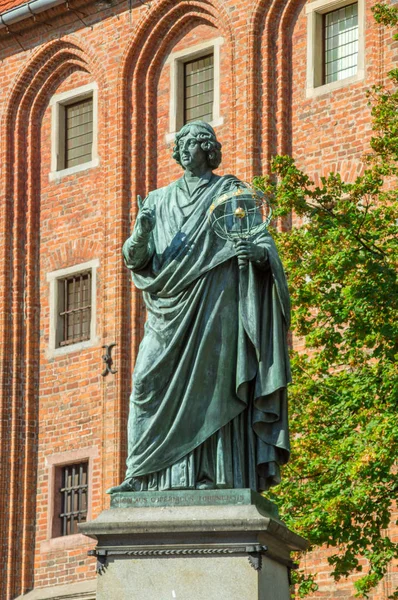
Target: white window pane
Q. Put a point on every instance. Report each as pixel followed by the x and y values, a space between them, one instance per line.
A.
pixel 341 43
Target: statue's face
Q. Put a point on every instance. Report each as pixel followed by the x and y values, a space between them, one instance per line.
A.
pixel 191 154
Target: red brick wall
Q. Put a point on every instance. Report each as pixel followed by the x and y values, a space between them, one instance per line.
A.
pixel 70 392
pixel 63 404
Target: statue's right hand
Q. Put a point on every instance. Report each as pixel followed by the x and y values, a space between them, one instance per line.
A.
pixel 146 220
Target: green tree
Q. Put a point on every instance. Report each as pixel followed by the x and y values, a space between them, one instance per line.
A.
pixel 340 485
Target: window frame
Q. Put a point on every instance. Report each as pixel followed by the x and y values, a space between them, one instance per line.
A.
pixel 58 103
pixel 56 322
pixel 54 463
pixel 315 12
pixel 64 309
pixel 60 496
pixel 177 60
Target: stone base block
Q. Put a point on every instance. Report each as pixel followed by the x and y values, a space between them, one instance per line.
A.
pixel 192 578
pixel 191 550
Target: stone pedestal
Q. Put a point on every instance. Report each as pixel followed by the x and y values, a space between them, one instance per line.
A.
pixel 192 545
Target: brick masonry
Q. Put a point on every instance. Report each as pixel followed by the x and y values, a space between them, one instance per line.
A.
pixel 62 404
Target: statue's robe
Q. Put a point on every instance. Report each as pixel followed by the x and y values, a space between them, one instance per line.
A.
pixel 209 405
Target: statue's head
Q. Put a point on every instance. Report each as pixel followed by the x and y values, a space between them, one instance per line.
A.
pixel 206 136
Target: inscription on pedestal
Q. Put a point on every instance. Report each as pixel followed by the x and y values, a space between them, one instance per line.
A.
pixel 193 498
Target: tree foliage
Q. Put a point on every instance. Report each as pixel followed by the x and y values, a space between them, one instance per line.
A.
pixel 339 488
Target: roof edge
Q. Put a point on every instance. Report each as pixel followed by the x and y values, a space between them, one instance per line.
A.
pixel 26 10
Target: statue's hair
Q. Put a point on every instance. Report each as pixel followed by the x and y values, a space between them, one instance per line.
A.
pixel 206 135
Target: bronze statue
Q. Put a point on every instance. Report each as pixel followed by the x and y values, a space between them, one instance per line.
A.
pixel 208 407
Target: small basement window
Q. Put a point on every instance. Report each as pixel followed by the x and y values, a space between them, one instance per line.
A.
pixel 70 476
pixel 71 498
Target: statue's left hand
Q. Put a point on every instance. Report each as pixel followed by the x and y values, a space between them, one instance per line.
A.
pixel 246 251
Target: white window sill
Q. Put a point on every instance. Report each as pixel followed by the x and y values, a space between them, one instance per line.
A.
pixel 313 92
pixel 215 123
pixel 81 589
pixel 58 175
pixel 55 352
pixel 64 542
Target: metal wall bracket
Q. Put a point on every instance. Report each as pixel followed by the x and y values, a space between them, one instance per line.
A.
pixel 107 358
pixel 101 560
pixel 15 36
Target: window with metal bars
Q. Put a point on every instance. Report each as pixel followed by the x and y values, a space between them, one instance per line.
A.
pixel 340 36
pixel 74 301
pixel 78 132
pixel 199 89
pixel 73 497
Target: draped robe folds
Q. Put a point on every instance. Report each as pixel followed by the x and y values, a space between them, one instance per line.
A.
pixel 214 352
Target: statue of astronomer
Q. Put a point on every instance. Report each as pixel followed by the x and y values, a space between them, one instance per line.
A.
pixel 208 408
